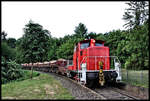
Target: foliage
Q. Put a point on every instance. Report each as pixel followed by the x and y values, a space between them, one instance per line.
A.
pixel 19 54
pixel 91 35
pixel 7 51
pixel 34 43
pixel 11 42
pixel 66 50
pixel 132 47
pixel 54 43
pixel 136 14
pixel 101 36
pixel 80 30
pixel 138 48
pixel 27 75
pixel 63 47
pixel 113 39
pixel 10 71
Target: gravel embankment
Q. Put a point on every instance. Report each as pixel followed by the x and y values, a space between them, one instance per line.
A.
pixel 77 91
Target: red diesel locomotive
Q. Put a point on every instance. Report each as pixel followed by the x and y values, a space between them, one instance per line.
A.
pixel 91 63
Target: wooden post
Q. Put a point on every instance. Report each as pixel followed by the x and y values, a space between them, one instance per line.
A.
pixel 31 70
pixel 141 76
pixel 127 75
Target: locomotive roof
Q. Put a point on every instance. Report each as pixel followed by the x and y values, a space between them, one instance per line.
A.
pixel 88 40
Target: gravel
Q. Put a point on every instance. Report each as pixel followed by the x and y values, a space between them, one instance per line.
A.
pixel 77 91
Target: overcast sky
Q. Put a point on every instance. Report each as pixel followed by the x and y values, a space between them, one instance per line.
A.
pixel 61 18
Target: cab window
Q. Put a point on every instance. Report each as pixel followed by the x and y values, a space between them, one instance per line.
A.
pixel 84 45
pixel 98 44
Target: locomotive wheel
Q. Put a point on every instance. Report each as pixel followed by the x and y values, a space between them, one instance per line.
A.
pixel 111 83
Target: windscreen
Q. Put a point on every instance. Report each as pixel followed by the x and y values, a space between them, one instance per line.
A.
pixel 98 44
pixel 84 45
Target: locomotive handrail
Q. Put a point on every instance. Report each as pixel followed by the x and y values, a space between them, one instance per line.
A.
pixel 117 66
pixel 85 57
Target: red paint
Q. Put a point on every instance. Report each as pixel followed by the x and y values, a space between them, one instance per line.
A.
pixel 90 51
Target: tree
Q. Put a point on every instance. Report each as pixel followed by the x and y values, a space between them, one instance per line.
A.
pixel 101 36
pixel 11 42
pixel 35 43
pixel 3 36
pixel 54 45
pixel 91 35
pixel 80 30
pixel 19 51
pixel 136 14
pixel 7 52
pixel 138 49
pixel 66 50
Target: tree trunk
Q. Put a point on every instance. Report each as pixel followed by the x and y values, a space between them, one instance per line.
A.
pixel 31 70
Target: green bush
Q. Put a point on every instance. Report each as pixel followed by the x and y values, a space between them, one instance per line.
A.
pixel 27 75
pixel 10 70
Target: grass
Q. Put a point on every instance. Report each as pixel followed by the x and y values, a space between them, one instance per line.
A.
pixel 41 87
pixel 137 78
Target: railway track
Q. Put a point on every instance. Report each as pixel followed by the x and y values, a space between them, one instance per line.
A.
pixel 114 93
pixel 105 93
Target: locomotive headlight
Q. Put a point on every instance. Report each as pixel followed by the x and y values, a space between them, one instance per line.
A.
pixel 117 68
pixel 83 73
pixel 117 65
pixel 83 66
